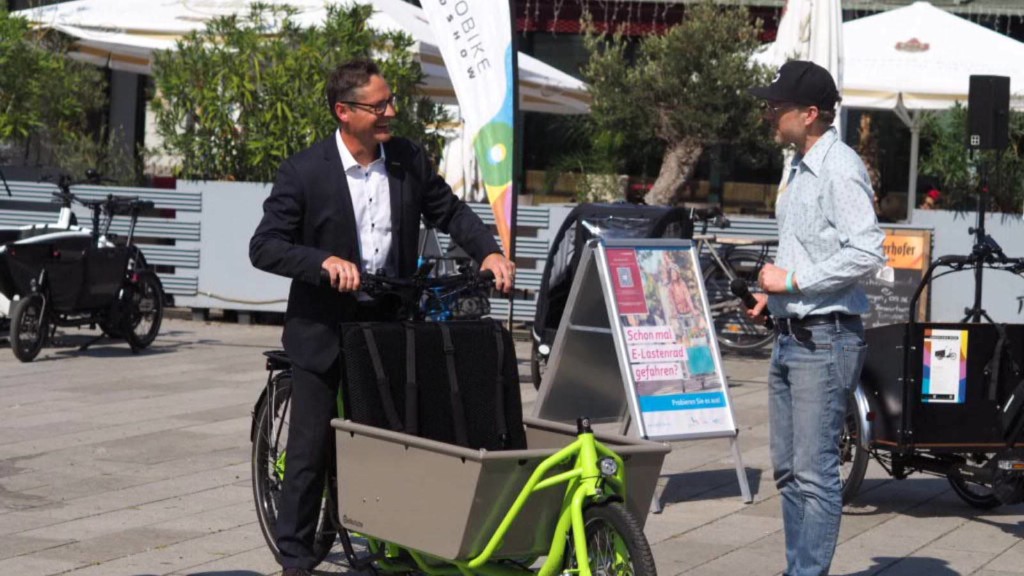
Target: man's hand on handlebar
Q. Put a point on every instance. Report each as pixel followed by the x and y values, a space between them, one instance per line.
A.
pixel 344 275
pixel 503 269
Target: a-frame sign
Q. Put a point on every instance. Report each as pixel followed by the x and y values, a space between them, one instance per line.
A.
pixel 636 348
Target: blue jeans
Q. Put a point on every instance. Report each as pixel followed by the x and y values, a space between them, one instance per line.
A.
pixel 808 386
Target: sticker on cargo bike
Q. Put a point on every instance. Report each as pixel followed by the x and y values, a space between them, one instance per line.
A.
pixel 944 378
pixel 674 367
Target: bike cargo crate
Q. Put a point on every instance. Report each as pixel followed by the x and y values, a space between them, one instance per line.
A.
pixel 79 276
pixel 23 265
pixel 447 500
pixel 441 459
pixel 951 403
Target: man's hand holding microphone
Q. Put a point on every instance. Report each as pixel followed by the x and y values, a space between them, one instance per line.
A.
pixel 772 280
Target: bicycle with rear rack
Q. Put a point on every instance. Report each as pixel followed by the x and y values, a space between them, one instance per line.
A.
pixel 567 501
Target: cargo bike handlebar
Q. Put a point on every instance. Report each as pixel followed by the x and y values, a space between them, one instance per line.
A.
pixel 420 297
pixel 103 209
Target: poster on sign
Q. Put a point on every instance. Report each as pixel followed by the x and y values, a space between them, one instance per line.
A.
pixel 674 368
pixel 635 350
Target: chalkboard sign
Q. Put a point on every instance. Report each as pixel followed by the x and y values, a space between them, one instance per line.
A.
pixel 909 252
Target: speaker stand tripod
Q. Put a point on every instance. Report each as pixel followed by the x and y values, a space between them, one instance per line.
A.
pixel 986 251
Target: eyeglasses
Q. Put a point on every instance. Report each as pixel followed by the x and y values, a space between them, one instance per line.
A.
pixel 380 108
pixel 778 109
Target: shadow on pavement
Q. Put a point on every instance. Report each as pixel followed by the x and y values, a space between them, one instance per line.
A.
pixel 922 566
pixel 64 346
pixel 227 573
pixel 882 496
pixel 700 485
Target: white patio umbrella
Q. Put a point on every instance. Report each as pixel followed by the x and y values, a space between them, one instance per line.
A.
pixel 809 30
pixel 919 58
pixel 123 34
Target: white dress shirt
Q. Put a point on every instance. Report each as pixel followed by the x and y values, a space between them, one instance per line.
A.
pixel 371 203
pixel 828 232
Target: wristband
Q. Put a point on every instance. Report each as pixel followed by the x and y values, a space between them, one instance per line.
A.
pixel 789 282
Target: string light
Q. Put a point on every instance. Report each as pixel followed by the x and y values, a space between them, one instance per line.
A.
pixel 558 10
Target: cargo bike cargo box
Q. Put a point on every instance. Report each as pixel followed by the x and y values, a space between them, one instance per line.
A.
pixel 438 450
pixel 81 276
pixel 937 408
pixel 447 500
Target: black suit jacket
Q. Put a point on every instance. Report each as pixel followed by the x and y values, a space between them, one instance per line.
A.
pixel 309 217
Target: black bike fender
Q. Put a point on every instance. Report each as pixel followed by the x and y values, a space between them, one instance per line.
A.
pixel 272 379
pixel 864 404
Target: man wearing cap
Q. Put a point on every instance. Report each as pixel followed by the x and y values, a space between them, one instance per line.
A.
pixel 829 240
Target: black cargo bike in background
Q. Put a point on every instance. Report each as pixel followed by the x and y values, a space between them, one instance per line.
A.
pixel 69 276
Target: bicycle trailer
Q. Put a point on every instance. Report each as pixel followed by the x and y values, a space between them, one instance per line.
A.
pixel 588 221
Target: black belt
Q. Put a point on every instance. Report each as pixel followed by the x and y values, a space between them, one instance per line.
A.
pixel 798 326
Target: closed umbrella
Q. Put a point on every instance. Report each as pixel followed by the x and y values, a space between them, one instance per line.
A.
pixel 809 30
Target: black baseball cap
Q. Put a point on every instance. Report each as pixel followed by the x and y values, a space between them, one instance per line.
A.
pixel 801 82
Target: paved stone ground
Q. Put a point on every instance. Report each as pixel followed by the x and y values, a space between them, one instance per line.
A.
pixel 113 464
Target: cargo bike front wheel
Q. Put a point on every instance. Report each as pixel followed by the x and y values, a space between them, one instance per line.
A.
pixel 29 326
pixel 615 543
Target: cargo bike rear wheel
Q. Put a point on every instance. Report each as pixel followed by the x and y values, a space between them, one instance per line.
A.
pixel 270 439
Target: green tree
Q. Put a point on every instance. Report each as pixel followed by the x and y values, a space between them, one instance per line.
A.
pixel 240 96
pixel 947 160
pixel 685 89
pixel 45 97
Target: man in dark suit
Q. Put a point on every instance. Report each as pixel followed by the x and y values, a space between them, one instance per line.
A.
pixel 349 203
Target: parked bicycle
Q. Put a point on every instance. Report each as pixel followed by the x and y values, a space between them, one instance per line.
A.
pixel 67 276
pixel 449 508
pixel 723 260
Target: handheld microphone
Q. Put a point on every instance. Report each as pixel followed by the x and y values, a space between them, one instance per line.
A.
pixel 740 290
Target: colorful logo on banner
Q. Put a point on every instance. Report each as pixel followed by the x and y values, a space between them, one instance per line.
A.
pixel 475 40
pixel 494 145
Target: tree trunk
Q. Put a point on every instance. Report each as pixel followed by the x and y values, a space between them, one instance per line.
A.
pixel 677 167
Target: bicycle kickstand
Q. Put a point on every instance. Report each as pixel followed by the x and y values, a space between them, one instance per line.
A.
pixel 92 341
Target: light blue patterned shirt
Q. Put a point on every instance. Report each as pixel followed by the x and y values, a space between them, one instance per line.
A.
pixel 828 232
